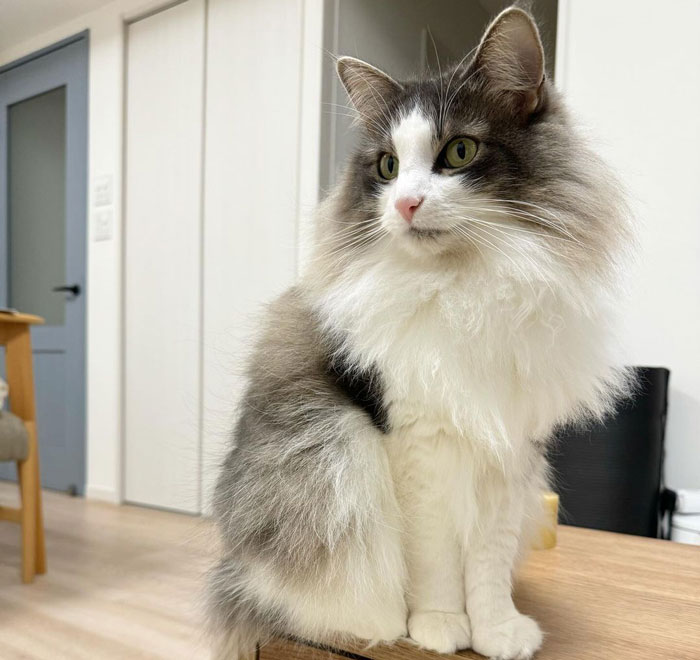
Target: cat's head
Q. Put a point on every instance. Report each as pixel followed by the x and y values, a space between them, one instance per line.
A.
pixel 477 161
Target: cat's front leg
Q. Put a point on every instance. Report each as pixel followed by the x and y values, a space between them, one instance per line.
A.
pixel 498 629
pixel 437 618
pixel 435 590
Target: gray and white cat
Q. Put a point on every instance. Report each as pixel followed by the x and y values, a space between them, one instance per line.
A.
pixel 388 459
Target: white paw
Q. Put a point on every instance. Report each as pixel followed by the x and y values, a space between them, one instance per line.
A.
pixel 443 632
pixel 516 638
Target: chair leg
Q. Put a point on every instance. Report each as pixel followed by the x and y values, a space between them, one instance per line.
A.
pixel 18 361
pixel 28 490
pixel 33 459
pixel 40 544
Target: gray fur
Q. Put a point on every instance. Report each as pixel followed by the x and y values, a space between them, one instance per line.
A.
pixel 278 486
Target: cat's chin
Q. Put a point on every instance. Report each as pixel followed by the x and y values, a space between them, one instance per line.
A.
pixel 426 234
pixel 422 243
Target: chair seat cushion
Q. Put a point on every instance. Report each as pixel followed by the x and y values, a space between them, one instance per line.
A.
pixel 14 443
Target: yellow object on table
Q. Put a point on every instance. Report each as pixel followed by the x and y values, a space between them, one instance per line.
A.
pixel 548 533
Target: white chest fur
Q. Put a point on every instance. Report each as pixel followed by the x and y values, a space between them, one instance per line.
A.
pixel 462 352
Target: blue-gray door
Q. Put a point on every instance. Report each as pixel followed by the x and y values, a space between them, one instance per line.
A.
pixel 43 184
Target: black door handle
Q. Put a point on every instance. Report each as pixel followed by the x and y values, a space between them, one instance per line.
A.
pixel 73 288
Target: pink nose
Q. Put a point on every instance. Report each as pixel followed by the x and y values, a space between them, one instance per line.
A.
pixel 407 206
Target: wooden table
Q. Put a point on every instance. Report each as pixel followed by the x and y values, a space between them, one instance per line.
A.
pixel 597 596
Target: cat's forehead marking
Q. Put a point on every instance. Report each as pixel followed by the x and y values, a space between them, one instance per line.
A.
pixel 413 138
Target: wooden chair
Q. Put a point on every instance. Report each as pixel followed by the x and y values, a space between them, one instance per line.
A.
pixel 18 428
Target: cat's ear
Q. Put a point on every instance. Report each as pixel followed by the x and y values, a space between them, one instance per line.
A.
pixel 369 88
pixel 510 60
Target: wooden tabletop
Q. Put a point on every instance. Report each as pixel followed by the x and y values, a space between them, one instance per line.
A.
pixel 597 596
pixel 18 317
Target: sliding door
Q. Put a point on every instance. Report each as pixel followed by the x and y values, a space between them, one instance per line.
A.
pixel 164 91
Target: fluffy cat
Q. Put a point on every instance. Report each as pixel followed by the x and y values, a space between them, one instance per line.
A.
pixel 388 460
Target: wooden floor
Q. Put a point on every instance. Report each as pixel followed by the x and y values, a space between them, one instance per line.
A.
pixel 125 582
pixel 122 582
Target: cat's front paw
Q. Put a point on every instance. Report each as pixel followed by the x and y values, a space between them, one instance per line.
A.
pixel 444 632
pixel 514 639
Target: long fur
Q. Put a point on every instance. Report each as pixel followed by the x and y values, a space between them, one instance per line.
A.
pixel 388 462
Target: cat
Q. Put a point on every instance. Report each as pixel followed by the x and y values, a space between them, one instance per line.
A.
pixel 387 466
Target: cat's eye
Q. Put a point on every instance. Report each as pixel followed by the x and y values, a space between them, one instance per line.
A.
pixel 459 152
pixel 388 166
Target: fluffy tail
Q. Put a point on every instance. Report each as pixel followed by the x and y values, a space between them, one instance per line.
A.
pixel 239 643
pixel 237 624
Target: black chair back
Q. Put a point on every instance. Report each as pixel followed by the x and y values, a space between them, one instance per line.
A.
pixel 608 475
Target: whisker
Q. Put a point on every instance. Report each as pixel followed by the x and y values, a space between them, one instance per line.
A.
pixel 464 82
pixel 529 216
pixel 507 256
pixel 349 248
pixel 469 238
pixel 437 59
pixel 454 70
pixel 522 230
pixel 357 116
pixel 545 210
pixel 349 232
pixel 511 243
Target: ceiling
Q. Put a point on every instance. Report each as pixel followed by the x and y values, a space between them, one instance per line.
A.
pixel 24 19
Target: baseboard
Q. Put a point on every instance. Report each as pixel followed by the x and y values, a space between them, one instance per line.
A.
pixel 102 494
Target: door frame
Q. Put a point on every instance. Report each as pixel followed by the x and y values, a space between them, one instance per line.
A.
pixel 76 215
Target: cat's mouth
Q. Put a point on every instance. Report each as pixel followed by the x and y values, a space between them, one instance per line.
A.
pixel 425 233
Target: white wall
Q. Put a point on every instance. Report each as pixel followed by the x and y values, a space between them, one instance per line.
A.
pixel 630 71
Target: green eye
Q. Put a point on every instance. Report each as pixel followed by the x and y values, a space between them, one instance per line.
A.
pixel 388 166
pixel 460 152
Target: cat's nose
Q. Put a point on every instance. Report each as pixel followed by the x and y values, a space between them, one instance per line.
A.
pixel 407 206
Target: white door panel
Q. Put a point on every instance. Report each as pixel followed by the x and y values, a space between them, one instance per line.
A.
pixel 165 68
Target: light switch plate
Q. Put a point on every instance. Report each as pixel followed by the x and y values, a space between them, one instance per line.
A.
pixel 103 224
pixel 103 190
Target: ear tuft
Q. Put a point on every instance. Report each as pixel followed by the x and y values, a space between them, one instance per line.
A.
pixel 369 88
pixel 511 59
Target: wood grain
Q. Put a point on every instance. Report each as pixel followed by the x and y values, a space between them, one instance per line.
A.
pixel 125 582
pixel 287 650
pixel 597 596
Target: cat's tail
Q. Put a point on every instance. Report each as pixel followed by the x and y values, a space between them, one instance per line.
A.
pixel 237 624
pixel 239 643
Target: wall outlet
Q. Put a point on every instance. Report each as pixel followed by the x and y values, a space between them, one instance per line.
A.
pixel 103 220
pixel 103 190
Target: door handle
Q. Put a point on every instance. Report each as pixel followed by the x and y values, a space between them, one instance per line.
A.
pixel 69 288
